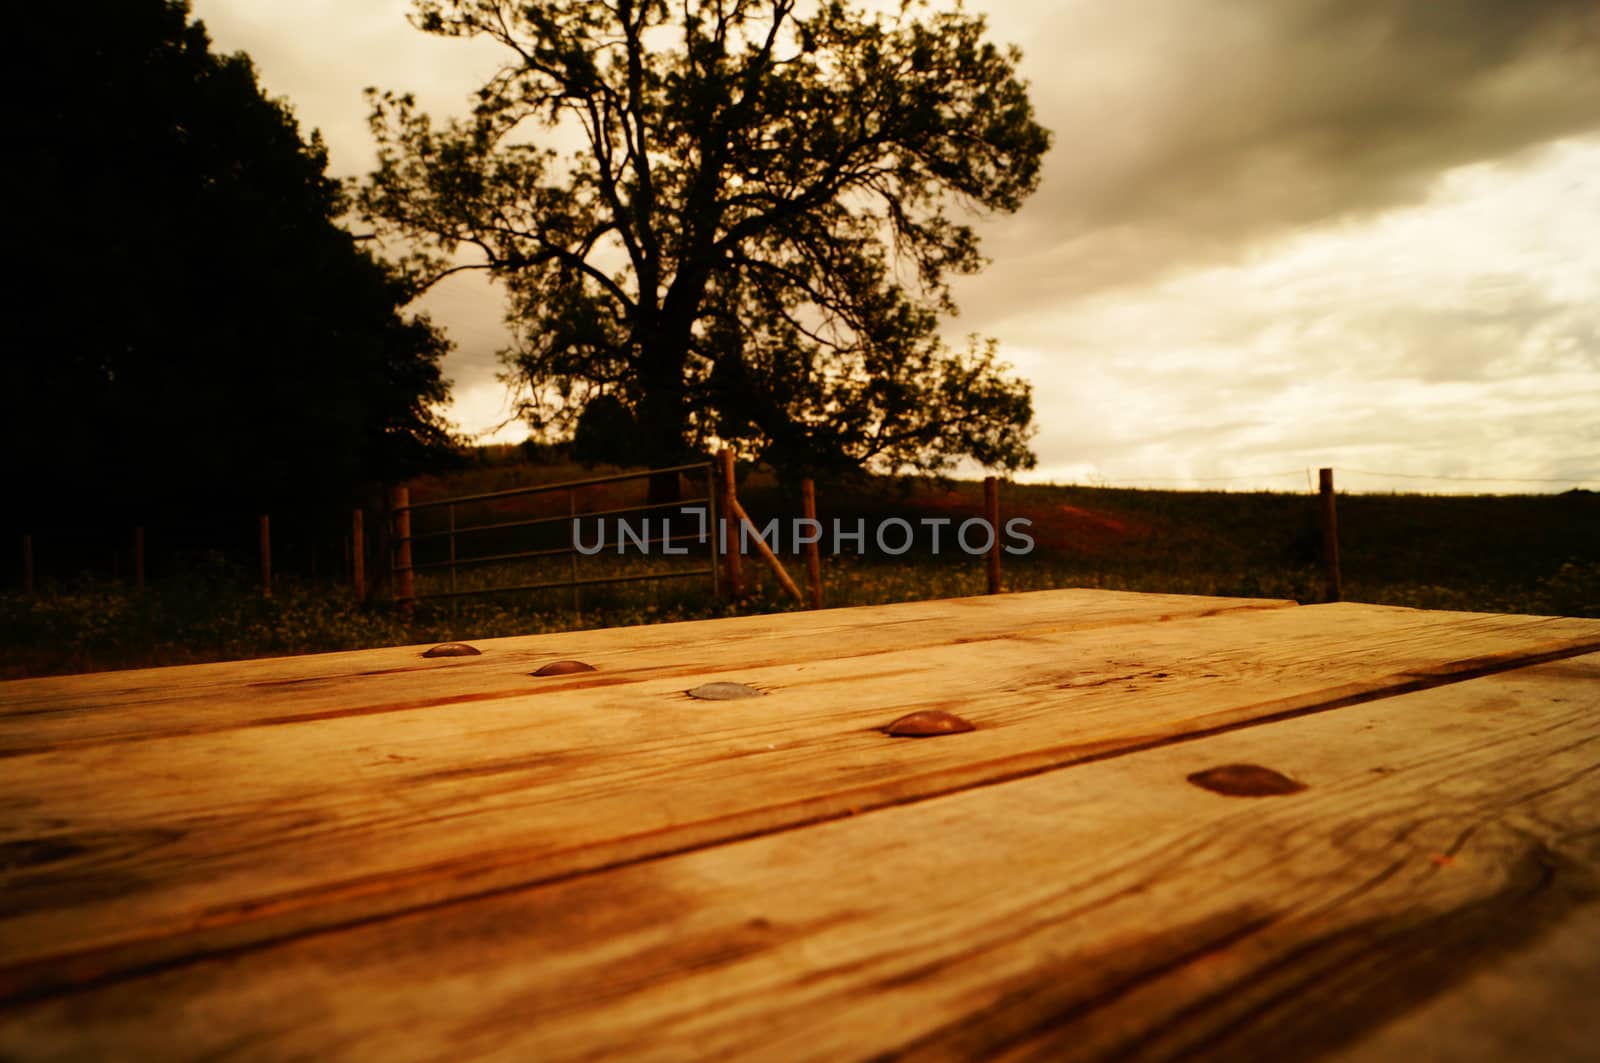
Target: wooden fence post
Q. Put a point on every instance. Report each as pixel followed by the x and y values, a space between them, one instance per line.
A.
pixel 784 579
pixel 572 558
pixel 808 506
pixel 266 557
pixel 27 564
pixel 358 553
pixel 1330 537
pixel 404 587
pixel 138 559
pixel 991 512
pixel 730 521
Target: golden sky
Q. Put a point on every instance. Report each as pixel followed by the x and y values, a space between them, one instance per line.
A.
pixel 1272 234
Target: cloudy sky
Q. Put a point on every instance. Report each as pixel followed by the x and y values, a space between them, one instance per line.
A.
pixel 1272 235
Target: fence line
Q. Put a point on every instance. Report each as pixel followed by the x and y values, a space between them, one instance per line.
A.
pixel 1472 479
pixel 725 563
pixel 130 553
pixel 1101 481
pixel 397 538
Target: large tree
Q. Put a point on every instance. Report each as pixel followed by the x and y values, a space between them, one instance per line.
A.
pixel 753 235
pixel 190 323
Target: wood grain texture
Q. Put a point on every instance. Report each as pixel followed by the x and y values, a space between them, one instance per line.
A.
pixel 1111 910
pixel 57 712
pixel 1535 1002
pixel 129 854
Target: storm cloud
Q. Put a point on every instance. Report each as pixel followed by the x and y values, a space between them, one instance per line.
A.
pixel 1189 131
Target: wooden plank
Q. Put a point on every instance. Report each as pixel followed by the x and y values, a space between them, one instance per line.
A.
pixel 1109 911
pixel 1536 1002
pixel 59 711
pixel 206 841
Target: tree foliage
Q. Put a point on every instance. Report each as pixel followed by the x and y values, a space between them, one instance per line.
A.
pixel 190 323
pixel 751 231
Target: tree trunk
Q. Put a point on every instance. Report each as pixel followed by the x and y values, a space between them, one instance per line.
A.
pixel 664 357
pixel 663 416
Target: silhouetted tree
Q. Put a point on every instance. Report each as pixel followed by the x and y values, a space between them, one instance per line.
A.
pixel 189 322
pixel 752 242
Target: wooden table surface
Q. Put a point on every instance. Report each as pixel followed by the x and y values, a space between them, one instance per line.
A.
pixel 373 855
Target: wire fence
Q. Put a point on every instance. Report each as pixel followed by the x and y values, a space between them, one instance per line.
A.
pixel 1255 480
pixel 506 539
pixel 330 548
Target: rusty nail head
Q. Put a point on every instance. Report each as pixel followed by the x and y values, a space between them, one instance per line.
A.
pixel 564 668
pixel 928 723
pixel 1245 780
pixel 452 649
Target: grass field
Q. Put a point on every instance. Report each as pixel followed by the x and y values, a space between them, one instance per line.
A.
pixel 1528 554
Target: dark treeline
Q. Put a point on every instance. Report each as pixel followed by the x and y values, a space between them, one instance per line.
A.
pixel 192 337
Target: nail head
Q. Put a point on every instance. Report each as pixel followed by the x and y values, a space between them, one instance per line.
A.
pixel 452 649
pixel 564 668
pixel 1245 780
pixel 927 723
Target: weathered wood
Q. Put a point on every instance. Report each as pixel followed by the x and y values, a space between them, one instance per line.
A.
pixel 1108 911
pixel 991 513
pixel 55 712
pixel 1334 589
pixel 405 592
pixel 224 837
pixel 786 580
pixel 729 524
pixel 1527 1002
pixel 808 508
